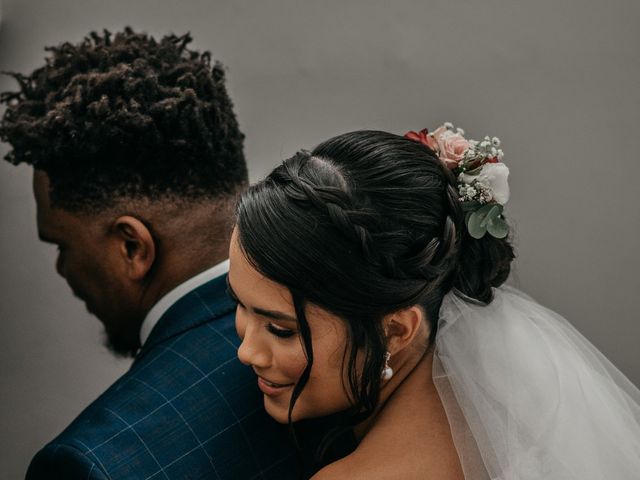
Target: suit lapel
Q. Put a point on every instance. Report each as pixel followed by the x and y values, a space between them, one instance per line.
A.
pixel 201 305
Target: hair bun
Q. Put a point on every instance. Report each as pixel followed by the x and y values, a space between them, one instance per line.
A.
pixel 482 264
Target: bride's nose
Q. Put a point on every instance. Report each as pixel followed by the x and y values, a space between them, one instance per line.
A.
pixel 253 351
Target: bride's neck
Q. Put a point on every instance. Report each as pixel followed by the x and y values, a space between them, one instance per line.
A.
pixel 412 371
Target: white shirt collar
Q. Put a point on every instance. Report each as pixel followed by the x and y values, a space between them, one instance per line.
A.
pixel 176 294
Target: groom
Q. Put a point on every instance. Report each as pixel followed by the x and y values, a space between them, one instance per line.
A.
pixel 137 160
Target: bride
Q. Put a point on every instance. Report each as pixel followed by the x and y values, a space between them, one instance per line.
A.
pixel 369 280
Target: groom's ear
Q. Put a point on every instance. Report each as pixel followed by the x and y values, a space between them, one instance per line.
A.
pixel 402 328
pixel 134 245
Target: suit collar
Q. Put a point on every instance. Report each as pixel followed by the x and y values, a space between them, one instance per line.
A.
pixel 202 304
pixel 156 312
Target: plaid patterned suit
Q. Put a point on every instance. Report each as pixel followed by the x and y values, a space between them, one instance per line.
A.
pixel 187 409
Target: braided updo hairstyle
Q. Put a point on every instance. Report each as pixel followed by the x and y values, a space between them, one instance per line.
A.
pixel 366 224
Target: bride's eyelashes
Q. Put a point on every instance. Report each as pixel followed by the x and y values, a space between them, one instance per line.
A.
pixel 271 328
pixel 279 331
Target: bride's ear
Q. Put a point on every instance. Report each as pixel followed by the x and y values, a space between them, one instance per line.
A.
pixel 403 327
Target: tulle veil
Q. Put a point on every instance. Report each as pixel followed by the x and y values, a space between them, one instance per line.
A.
pixel 528 397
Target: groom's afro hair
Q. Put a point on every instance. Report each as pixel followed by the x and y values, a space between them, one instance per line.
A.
pixel 126 116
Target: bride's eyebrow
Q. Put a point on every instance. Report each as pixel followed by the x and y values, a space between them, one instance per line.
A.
pixel 274 314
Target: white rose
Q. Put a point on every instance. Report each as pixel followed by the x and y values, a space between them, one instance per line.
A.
pixel 493 175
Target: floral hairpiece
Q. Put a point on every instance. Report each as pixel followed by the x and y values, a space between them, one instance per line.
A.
pixel 482 177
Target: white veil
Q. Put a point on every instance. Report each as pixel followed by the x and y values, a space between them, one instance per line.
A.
pixel 528 397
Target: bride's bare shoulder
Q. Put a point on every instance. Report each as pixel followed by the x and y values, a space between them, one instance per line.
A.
pixel 389 466
pixel 399 449
pixel 347 467
pixel 361 467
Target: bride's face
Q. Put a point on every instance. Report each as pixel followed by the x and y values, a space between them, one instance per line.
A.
pixel 272 345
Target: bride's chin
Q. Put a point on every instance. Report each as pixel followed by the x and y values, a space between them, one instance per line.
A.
pixel 279 412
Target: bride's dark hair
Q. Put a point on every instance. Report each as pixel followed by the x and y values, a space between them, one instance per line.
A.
pixel 366 224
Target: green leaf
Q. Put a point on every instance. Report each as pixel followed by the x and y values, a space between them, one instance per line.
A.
pixel 471 206
pixel 475 225
pixel 491 213
pixel 498 228
pixel 485 219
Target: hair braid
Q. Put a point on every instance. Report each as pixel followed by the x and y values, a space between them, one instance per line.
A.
pixel 430 263
pixel 336 200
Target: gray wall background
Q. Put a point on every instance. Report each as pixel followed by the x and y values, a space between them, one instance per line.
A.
pixel 557 81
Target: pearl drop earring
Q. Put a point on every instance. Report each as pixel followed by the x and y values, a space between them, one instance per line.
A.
pixel 387 371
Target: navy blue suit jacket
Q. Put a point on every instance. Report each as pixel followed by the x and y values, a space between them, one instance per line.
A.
pixel 187 409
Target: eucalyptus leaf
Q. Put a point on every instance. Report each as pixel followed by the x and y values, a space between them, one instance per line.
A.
pixel 475 225
pixel 492 213
pixel 498 228
pixel 471 206
pixel 467 216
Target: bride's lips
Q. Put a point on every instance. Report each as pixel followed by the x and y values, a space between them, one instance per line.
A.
pixel 272 389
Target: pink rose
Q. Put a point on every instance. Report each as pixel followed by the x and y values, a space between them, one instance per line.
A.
pixel 450 146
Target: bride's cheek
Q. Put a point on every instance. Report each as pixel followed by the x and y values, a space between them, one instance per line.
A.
pixel 293 364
